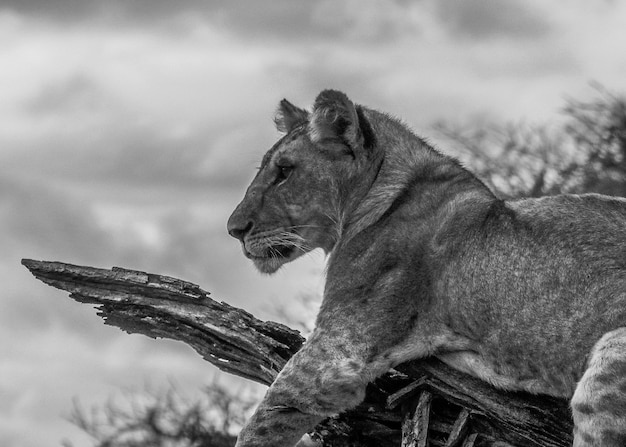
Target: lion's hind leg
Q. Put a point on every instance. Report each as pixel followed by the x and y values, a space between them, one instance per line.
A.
pixel 599 402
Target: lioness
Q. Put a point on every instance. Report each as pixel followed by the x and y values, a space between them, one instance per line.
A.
pixel 426 261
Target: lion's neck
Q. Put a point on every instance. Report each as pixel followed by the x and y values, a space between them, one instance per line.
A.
pixel 406 163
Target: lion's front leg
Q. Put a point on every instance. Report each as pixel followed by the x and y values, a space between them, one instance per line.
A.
pixel 276 425
pixel 327 376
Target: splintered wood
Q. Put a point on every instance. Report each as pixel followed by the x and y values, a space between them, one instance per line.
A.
pixel 415 429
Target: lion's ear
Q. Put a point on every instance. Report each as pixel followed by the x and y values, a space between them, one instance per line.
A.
pixel 289 116
pixel 335 117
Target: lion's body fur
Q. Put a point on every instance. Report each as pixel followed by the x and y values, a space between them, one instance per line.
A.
pixel 425 260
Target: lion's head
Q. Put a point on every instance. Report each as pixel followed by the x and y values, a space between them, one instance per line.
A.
pixel 296 201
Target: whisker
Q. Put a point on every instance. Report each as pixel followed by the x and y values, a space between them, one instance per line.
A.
pixel 295 227
pixel 273 252
pixel 291 239
pixel 338 220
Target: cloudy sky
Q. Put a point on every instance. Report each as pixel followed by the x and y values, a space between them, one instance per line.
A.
pixel 129 130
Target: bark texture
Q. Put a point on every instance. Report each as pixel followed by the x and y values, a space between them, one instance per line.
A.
pixel 421 403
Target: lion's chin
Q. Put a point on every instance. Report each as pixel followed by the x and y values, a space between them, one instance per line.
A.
pixel 269 265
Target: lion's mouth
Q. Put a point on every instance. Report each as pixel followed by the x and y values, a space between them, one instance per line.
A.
pixel 272 252
pixel 284 251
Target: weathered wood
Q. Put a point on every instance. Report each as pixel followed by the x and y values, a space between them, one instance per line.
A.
pixel 415 428
pixel 405 393
pixel 470 441
pixel 517 418
pixel 238 343
pixel 459 429
pixel 160 306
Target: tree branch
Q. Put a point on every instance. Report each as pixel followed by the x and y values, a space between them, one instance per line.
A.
pixel 160 306
pixel 455 407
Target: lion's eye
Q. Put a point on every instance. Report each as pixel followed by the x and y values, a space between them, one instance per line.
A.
pixel 283 173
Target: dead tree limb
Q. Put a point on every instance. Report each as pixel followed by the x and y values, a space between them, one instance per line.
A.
pixel 453 409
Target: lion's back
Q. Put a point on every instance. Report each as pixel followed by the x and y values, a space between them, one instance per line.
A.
pixel 574 210
pixel 589 227
pixel 542 279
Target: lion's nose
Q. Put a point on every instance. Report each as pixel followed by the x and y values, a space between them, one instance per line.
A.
pixel 238 228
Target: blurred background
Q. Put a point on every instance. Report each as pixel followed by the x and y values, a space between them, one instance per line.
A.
pixel 129 130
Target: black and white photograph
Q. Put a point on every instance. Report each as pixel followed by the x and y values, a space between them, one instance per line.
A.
pixel 326 223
